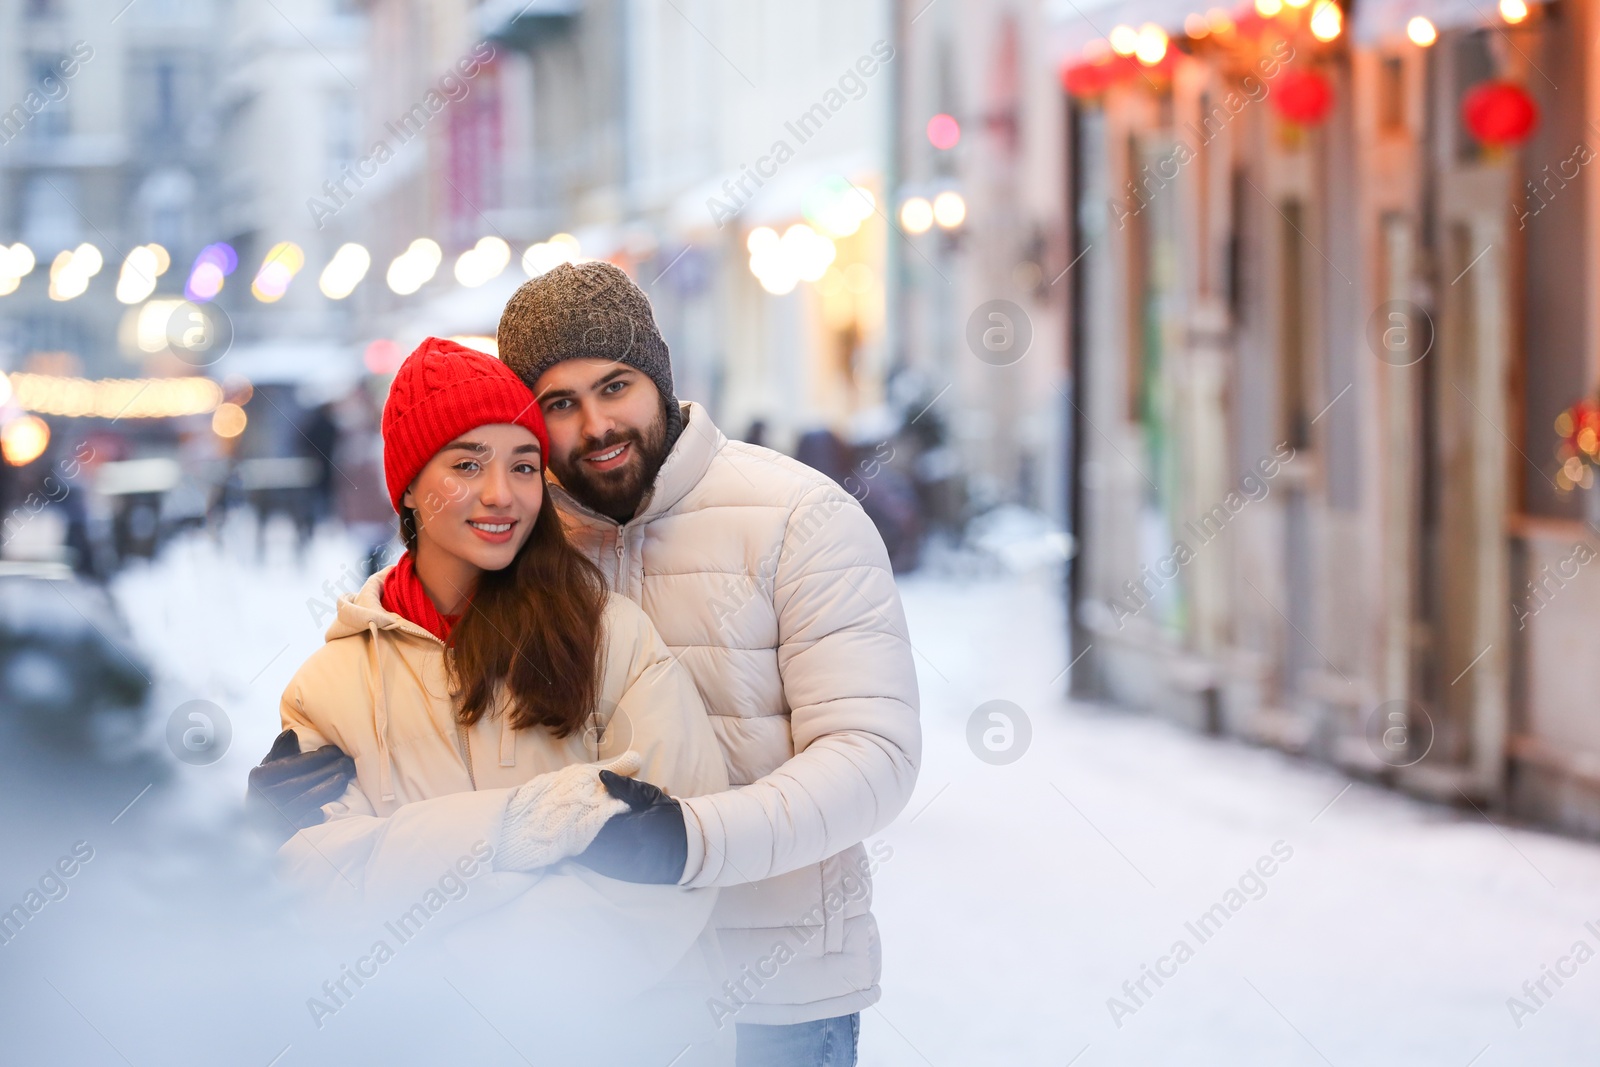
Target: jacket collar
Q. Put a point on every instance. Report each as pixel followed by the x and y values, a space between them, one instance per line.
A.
pixel 682 470
pixel 364 610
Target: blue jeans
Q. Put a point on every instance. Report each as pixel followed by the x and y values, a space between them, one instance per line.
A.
pixel 824 1043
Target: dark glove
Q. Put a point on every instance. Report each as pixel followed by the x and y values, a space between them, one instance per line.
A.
pixel 647 844
pixel 288 789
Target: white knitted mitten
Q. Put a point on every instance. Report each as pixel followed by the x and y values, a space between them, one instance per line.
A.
pixel 558 814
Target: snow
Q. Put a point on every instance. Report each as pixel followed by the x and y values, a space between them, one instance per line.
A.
pixel 229 620
pixel 1019 898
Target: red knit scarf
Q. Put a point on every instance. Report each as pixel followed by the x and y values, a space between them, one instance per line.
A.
pixel 403 594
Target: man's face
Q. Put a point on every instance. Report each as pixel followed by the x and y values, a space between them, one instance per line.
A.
pixel 608 432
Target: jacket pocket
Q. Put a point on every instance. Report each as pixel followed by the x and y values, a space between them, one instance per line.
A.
pixel 789 902
pixel 811 901
pixel 846 893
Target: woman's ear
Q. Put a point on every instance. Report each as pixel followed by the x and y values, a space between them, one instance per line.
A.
pixel 407 500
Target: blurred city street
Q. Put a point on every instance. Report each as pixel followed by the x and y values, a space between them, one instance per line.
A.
pixel 1219 384
pixel 1394 935
pixel 1018 899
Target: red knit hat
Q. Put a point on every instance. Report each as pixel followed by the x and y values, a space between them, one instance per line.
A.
pixel 441 391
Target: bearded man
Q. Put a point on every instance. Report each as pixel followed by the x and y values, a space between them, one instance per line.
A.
pixel 773 588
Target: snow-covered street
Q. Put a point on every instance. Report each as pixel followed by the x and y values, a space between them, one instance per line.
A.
pixel 1021 898
pixel 1124 893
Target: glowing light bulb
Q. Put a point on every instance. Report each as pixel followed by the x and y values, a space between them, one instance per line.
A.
pixel 547 255
pixel 482 262
pixel 383 356
pixel 944 131
pixel 24 439
pixel 916 215
pixel 1421 32
pixel 16 263
pixel 137 279
pixel 229 420
pixel 70 271
pixel 415 267
pixel 211 267
pixel 278 269
pixel 949 210
pixel 1327 21
pixel 344 271
pixel 1151 45
pixel 761 239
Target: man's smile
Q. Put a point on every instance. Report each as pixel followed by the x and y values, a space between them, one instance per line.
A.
pixel 611 458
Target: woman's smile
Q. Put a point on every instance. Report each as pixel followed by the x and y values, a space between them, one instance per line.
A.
pixel 494 531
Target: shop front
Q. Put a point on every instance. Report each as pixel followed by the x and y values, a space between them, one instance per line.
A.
pixel 1333 312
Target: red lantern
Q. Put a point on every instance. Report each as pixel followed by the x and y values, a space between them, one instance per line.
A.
pixel 1302 96
pixel 1499 113
pixel 1164 67
pixel 1251 24
pixel 1091 77
pixel 1087 78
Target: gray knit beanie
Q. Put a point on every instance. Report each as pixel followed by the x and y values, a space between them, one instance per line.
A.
pixel 592 310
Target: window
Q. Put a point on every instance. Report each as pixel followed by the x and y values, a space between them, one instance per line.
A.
pixel 1292 339
pixel 1474 64
pixel 49 219
pixel 340 129
pixel 164 79
pixel 44 78
pixel 1392 95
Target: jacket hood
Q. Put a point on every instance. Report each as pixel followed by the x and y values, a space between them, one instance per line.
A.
pixel 364 613
pixel 360 612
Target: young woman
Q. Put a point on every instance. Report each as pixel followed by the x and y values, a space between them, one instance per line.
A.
pixel 479 685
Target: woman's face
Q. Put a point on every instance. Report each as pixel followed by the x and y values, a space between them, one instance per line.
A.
pixel 476 500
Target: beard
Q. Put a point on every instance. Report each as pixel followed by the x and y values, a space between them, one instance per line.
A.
pixel 615 493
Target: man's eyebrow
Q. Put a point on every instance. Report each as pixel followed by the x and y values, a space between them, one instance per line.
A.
pixel 553 393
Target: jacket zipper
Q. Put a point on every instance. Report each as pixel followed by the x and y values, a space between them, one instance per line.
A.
pixel 466 741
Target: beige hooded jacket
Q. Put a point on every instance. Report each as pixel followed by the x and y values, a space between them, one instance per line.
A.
pixel 773 589
pixel 430 795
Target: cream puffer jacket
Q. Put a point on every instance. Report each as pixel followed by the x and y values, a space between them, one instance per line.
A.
pixel 773 588
pixel 430 795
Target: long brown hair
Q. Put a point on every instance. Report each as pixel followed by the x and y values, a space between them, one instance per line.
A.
pixel 534 627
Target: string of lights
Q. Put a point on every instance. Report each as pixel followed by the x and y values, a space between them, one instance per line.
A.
pixel 71 270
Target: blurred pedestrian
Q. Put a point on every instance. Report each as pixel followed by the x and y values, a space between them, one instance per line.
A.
pixel 360 502
pixel 321 431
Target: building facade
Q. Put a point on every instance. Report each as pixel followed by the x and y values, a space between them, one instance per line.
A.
pixel 1330 320
pixel 660 139
pixel 106 139
pixel 981 307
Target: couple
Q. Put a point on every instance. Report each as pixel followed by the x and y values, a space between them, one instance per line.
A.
pixel 677 669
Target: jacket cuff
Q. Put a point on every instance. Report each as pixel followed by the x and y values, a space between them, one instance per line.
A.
pixel 695 833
